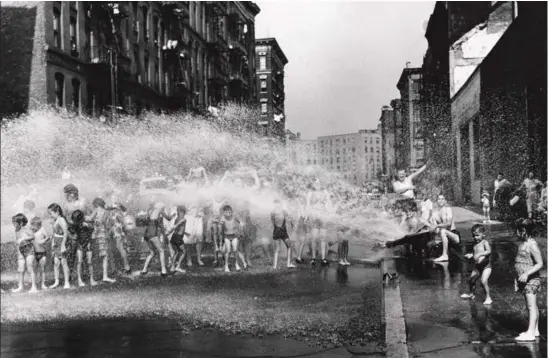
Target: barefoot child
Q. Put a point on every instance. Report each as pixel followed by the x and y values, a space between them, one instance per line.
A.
pixel 230 228
pixel 342 236
pixel 98 219
pixel 482 269
pixel 41 238
pixel 117 232
pixel 177 233
pixel 59 244
pixel 485 203
pixel 83 233
pixel 527 265
pixel 25 257
pixel 279 220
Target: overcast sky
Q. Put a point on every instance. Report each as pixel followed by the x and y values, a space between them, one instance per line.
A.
pixel 345 58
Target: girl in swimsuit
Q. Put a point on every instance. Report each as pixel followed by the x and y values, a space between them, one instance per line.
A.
pixel 177 233
pixel 153 234
pixel 279 220
pixel 527 266
pixel 98 219
pixel 83 233
pixel 59 242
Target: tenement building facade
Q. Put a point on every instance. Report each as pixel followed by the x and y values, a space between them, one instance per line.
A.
pixel 99 58
pixel 271 62
pixel 356 156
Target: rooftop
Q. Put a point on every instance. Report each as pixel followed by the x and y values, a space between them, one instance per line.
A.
pixel 272 42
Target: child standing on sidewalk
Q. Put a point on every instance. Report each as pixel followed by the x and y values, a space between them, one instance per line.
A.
pixel 41 237
pixel 482 269
pixel 486 205
pixel 527 265
pixel 25 257
pixel 342 236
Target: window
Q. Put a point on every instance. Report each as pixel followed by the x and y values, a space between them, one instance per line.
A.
pixel 147 60
pixel 262 62
pixel 75 93
pixel 264 108
pixel 263 85
pixel 73 38
pixel 59 88
pixel 366 149
pixel 378 140
pixel 57 27
pixel 145 23
pixel 157 74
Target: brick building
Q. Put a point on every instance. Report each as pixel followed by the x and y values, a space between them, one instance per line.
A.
pixel 499 113
pixel 301 151
pixel 271 63
pixel 411 149
pixel 388 140
pixel 99 57
pixel 356 156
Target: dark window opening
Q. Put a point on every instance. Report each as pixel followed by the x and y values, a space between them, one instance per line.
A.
pixel 59 88
pixel 57 27
pixel 73 38
pixel 75 93
pixel 145 23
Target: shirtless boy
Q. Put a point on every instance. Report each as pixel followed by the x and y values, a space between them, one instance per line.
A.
pixel 482 269
pixel 41 237
pixel 230 229
pixel 25 257
pixel 279 220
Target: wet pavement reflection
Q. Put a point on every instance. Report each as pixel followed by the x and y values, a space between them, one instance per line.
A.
pixel 440 323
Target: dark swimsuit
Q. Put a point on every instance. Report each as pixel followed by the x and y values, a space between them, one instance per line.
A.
pixel 39 256
pixel 280 232
pixel 26 249
pixel 486 263
pixel 177 237
pixel 153 228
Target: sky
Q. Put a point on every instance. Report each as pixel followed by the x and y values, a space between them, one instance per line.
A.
pixel 345 58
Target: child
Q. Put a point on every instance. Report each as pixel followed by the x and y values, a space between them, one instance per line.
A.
pixel 486 207
pixel 482 269
pixel 41 237
pixel 168 225
pixel 230 228
pixel 82 232
pixel 279 220
pixel 118 234
pixel 527 265
pixel 342 236
pixel 177 233
pixel 99 237
pixel 59 244
pixel 25 257
pixel 29 210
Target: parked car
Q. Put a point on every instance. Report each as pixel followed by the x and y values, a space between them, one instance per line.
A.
pixel 151 190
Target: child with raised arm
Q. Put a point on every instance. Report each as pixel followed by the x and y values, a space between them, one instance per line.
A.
pixel 482 269
pixel 41 238
pixel 486 206
pixel 231 228
pixel 59 244
pixel 82 232
pixel 25 257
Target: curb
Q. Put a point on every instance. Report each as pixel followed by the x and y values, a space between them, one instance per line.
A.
pixel 394 319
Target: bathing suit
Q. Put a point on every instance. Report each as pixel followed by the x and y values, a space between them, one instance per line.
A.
pixel 177 239
pixel 99 236
pixel 524 262
pixel 26 249
pixel 231 237
pixel 280 232
pixel 39 256
pixel 83 235
pixel 57 241
pixel 485 264
pixel 152 228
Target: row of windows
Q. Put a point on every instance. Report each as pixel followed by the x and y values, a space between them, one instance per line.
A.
pixel 345 141
pixel 60 91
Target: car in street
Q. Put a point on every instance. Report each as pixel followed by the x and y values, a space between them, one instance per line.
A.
pixel 151 190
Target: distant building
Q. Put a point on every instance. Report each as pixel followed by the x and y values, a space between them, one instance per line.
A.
pixel 271 63
pixel 412 148
pixel 388 135
pixel 356 156
pixel 302 152
pixel 99 58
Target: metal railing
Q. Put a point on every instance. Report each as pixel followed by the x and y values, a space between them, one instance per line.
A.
pixel 97 54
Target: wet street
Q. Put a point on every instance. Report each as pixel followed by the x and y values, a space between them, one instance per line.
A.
pixel 303 294
pixel 440 323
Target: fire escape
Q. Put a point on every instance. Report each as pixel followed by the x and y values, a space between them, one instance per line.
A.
pixel 218 52
pixel 238 57
pixel 176 54
pixel 105 57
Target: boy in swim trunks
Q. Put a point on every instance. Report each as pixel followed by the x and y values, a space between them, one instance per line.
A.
pixel 41 237
pixel 482 269
pixel 82 233
pixel 25 257
pixel 279 220
pixel 230 229
pixel 177 233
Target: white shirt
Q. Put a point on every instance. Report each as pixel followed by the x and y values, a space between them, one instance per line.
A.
pixel 426 209
pixel 406 182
